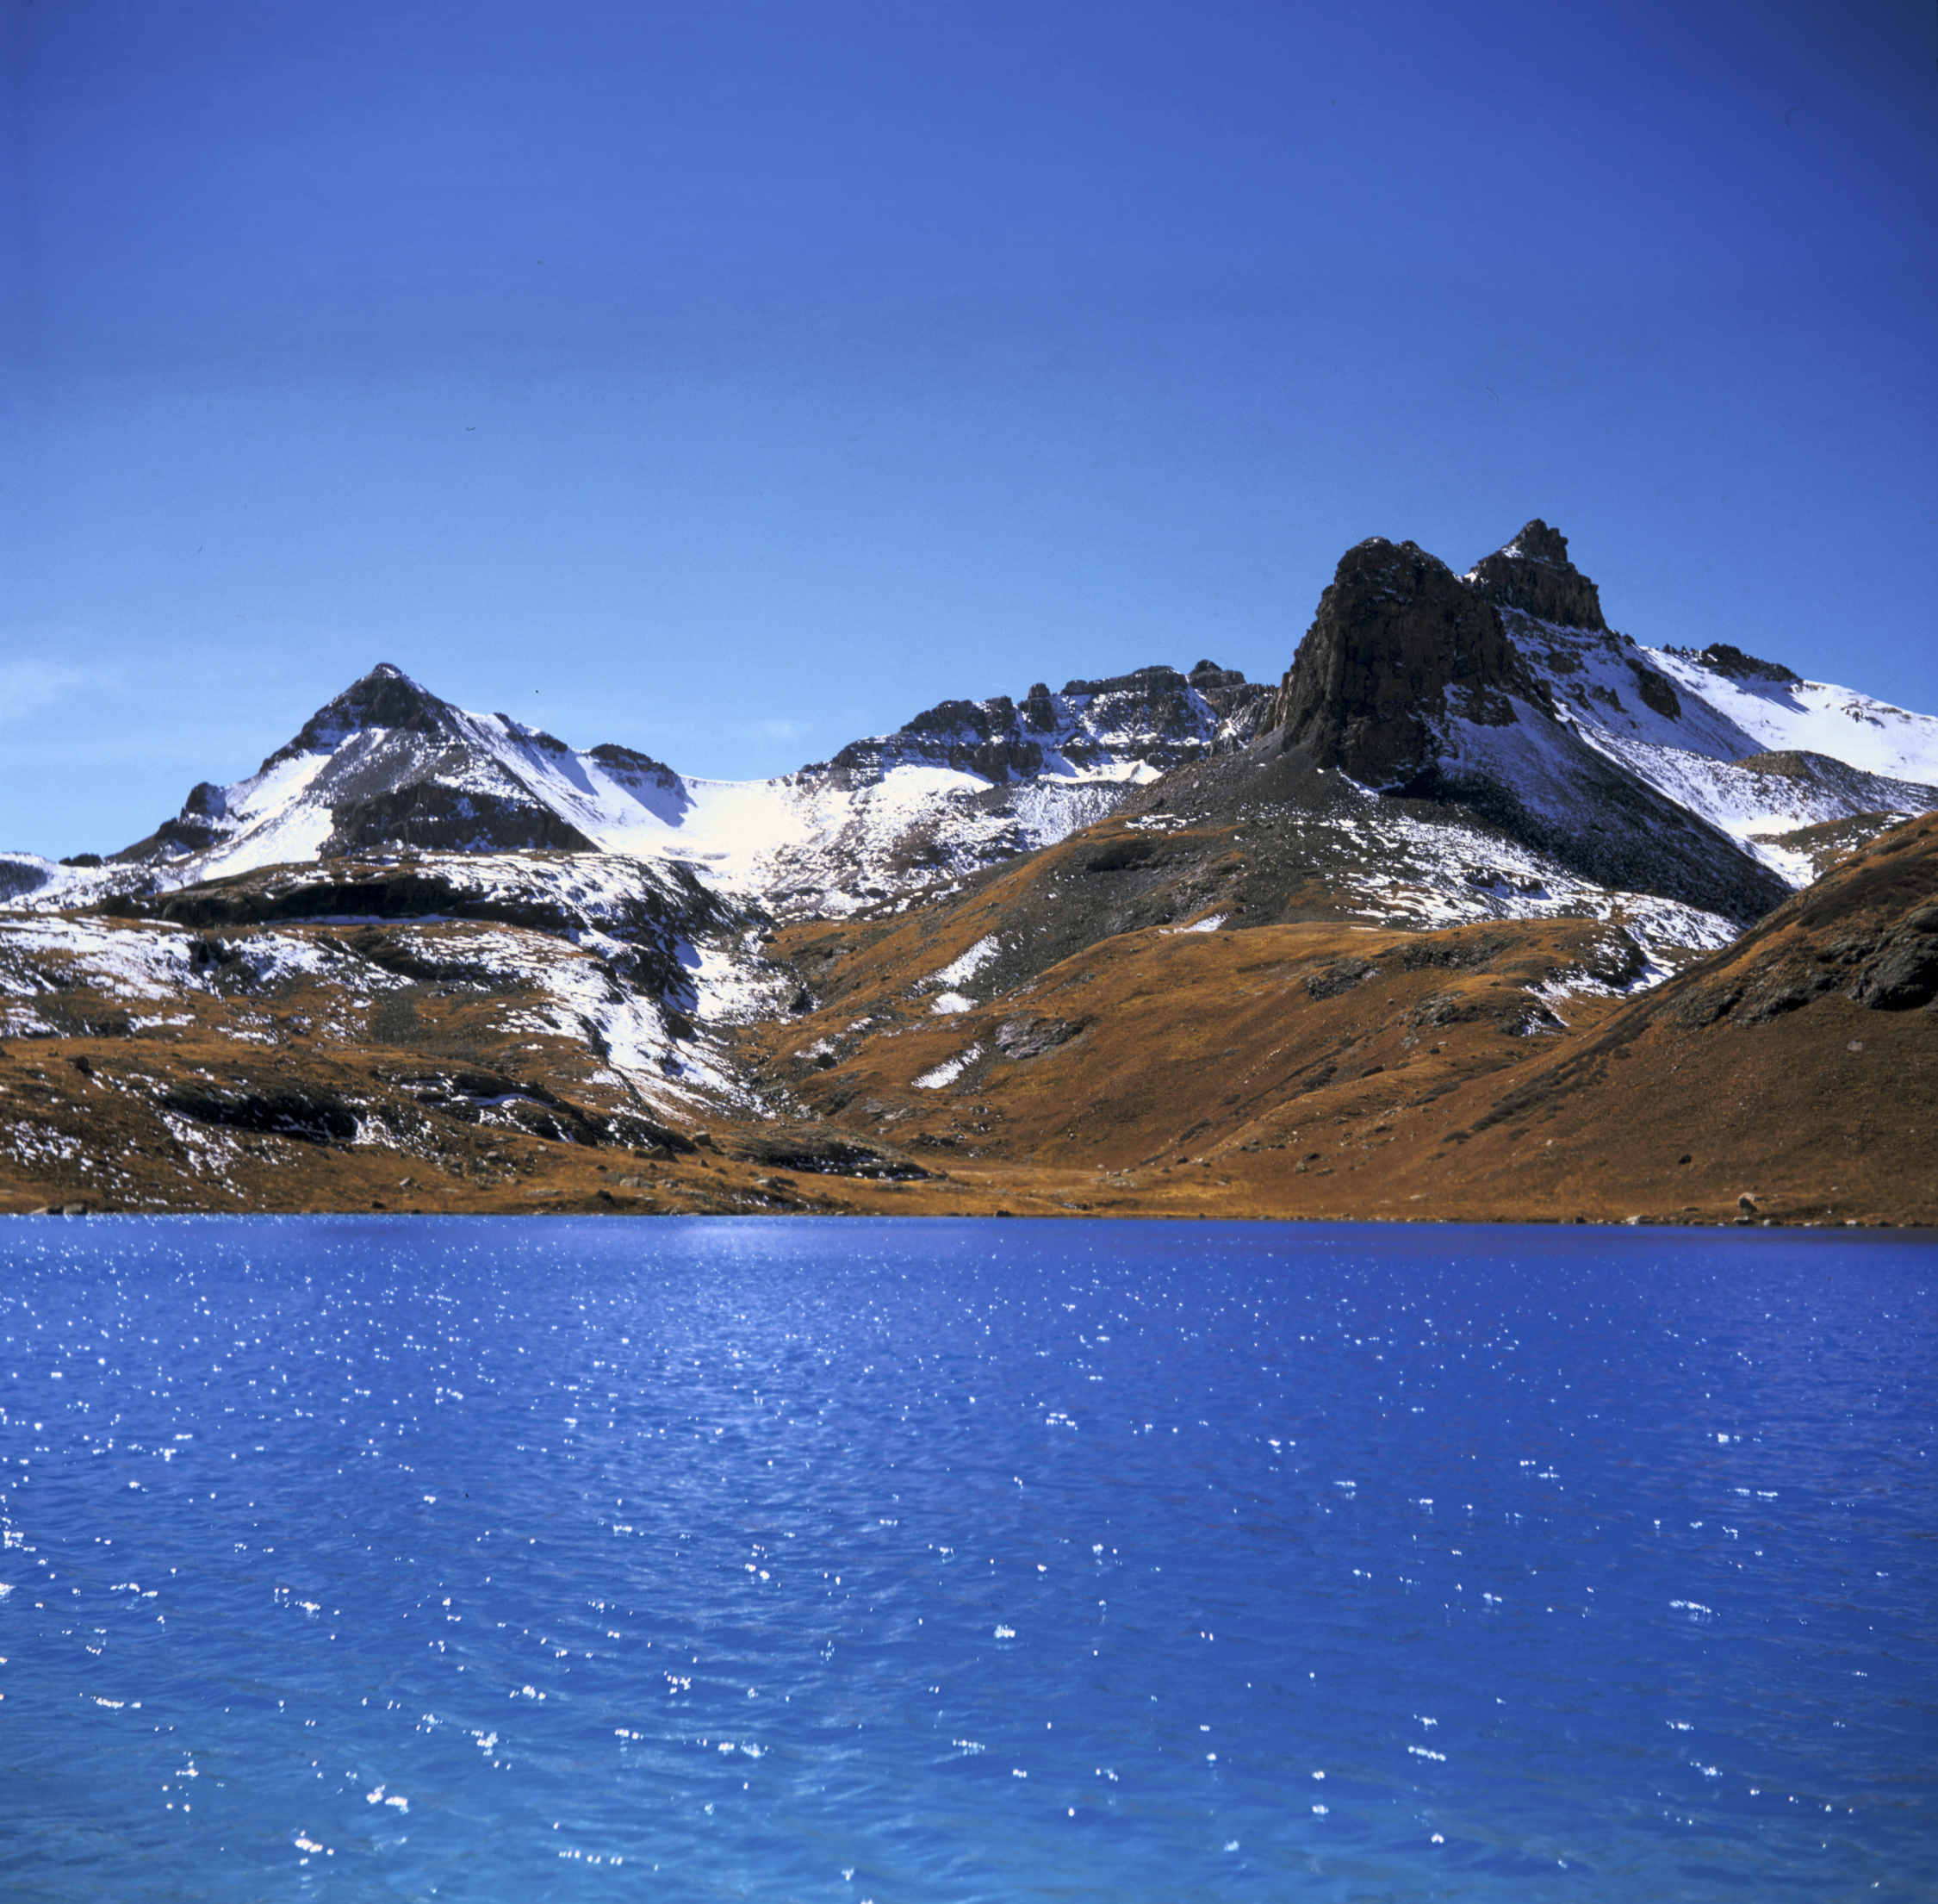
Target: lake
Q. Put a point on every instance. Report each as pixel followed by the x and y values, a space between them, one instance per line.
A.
pixel 873 1561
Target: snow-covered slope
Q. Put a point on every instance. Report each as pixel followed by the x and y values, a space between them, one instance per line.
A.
pixel 388 765
pixel 1746 745
pixel 1703 778
pixel 1708 779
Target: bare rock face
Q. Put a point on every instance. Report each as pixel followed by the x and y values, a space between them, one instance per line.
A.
pixel 434 817
pixel 20 873
pixel 632 764
pixel 1532 573
pixel 1723 657
pixel 172 839
pixel 1240 705
pixel 1418 682
pixel 983 737
pixel 385 698
pixel 1398 641
pixel 1152 716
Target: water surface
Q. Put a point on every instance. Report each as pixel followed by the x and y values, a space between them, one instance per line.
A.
pixel 866 1561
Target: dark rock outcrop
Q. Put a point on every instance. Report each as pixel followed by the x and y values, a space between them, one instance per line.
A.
pixel 1655 691
pixel 1533 574
pixel 284 1107
pixel 663 906
pixel 469 1096
pixel 20 874
pixel 433 816
pixel 1340 976
pixel 1399 642
pixel 1027 1035
pixel 983 737
pixel 386 697
pixel 628 762
pixel 1720 657
pixel 173 839
pixel 815 1151
pixel 1118 855
pixel 1154 715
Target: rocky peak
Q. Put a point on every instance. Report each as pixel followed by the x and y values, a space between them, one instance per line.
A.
pixel 1153 715
pixel 1038 708
pixel 1536 542
pixel 1399 642
pixel 1723 657
pixel 1148 682
pixel 630 763
pixel 1532 573
pixel 1240 705
pixel 385 698
pixel 1207 675
pixel 983 737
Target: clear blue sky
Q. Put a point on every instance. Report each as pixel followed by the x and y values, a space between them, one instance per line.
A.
pixel 733 379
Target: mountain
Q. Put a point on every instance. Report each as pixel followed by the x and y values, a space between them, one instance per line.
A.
pixel 1449 749
pixel 387 766
pixel 1529 1069
pixel 1500 702
pixel 1793 1076
pixel 1525 1069
pixel 1696 777
pixel 1148 721
pixel 1077 950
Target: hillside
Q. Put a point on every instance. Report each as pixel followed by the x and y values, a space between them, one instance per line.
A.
pixel 1510 1071
pixel 1479 913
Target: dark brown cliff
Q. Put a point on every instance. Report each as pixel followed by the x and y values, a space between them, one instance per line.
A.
pixel 1532 573
pixel 1399 640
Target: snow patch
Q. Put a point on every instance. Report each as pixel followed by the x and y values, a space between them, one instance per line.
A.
pixel 959 971
pixel 949 1071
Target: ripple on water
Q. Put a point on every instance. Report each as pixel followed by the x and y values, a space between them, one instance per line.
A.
pixel 798 1560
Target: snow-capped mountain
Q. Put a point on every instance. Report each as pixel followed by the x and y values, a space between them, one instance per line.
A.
pixel 1698 777
pixel 387 766
pixel 1145 722
pixel 1484 716
pixel 423 939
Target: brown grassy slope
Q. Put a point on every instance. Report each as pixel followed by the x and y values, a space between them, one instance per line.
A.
pixel 1311 1069
pixel 441 1096
pixel 1326 1069
pixel 1799 1069
pixel 1284 1070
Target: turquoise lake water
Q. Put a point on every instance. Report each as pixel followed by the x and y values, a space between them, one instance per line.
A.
pixel 873 1561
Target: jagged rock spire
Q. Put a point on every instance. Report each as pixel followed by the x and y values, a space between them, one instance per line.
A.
pixel 1532 573
pixel 1396 630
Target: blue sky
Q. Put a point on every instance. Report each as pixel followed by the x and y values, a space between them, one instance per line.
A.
pixel 731 380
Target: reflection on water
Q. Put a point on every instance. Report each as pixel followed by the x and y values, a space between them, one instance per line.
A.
pixel 495 1559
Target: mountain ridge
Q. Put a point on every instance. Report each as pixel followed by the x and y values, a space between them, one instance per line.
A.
pixel 1502 692
pixel 1470 822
